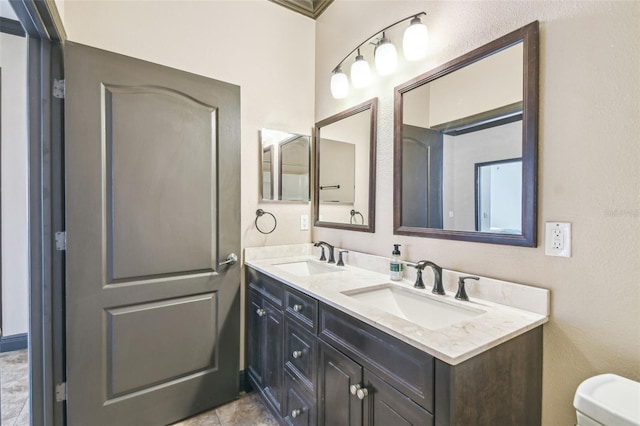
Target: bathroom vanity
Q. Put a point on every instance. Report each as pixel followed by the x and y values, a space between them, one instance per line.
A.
pixel 321 349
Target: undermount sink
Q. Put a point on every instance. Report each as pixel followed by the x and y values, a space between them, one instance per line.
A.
pixel 306 268
pixel 421 309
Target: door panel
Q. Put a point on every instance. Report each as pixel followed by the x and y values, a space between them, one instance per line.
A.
pixel 196 350
pixel 422 155
pixel 160 190
pixel 152 322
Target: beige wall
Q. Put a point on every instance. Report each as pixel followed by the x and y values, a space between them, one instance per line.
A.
pixel 588 175
pixel 264 48
pixel 14 155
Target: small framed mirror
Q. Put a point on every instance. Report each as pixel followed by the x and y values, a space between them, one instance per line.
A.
pixel 465 146
pixel 345 169
pixel 285 166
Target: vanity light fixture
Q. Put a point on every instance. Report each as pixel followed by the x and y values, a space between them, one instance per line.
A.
pixel 414 42
pixel 385 56
pixel 339 83
pixel 360 72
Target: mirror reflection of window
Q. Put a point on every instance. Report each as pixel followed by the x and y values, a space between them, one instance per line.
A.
pixel 285 164
pixel 499 196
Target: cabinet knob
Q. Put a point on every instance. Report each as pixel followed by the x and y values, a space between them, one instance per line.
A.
pixel 296 354
pixel 362 393
pixel 261 312
pixel 297 308
pixel 295 413
pixel 354 389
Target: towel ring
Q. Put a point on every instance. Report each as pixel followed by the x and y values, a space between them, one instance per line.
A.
pixel 260 213
pixel 353 214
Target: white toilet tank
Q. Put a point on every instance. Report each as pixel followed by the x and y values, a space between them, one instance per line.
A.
pixel 608 400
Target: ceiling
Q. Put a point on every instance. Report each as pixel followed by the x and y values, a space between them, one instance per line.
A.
pixel 310 8
pixel 6 11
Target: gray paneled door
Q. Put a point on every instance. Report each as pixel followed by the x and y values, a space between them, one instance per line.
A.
pixel 153 205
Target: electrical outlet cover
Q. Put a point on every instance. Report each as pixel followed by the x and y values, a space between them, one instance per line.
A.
pixel 557 239
pixel 304 222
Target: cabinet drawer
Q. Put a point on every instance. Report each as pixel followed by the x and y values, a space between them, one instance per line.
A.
pixel 300 355
pixel 301 307
pixel 265 285
pixel 406 368
pixel 300 408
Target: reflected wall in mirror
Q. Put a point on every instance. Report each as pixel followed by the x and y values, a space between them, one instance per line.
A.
pixel 465 146
pixel 285 166
pixel 345 168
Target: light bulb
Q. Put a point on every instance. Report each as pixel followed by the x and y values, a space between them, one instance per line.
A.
pixel 414 42
pixel 339 84
pixel 360 72
pixel 385 56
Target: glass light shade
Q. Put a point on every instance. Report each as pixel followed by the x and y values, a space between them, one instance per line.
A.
pixel 360 73
pixel 414 42
pixel 339 84
pixel 386 57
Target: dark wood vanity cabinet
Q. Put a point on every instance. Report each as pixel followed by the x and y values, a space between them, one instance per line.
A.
pixel 316 365
pixel 265 331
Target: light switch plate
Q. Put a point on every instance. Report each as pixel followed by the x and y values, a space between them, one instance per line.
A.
pixel 557 239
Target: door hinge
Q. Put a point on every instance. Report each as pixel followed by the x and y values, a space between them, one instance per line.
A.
pixel 58 88
pixel 61 392
pixel 61 240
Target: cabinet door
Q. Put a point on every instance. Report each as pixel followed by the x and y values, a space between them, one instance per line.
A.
pixel 299 407
pixel 255 336
pixel 386 406
pixel 272 378
pixel 336 405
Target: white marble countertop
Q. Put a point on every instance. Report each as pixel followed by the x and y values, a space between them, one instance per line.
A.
pixel 452 344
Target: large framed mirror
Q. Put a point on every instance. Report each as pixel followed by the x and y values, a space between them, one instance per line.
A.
pixel 465 146
pixel 345 169
pixel 285 166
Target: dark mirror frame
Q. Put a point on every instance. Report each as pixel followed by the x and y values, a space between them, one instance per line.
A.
pixel 372 106
pixel 528 35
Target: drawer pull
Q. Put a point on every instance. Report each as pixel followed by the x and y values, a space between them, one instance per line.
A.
pixel 354 389
pixel 295 413
pixel 362 393
pixel 297 308
pixel 297 354
pixel 261 312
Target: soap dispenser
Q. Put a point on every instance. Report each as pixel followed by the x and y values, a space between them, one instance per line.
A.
pixel 395 266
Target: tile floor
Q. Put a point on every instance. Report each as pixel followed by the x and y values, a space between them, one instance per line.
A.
pixel 14 392
pixel 248 410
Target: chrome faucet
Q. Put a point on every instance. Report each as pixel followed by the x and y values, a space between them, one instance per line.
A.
pixel 437 273
pixel 329 247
